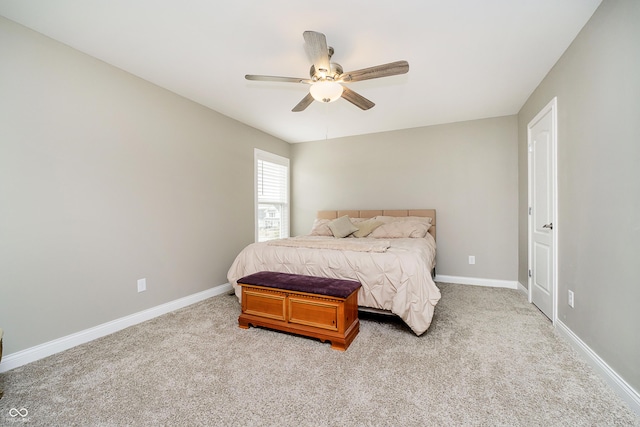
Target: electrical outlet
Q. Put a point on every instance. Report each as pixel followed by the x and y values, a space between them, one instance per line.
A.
pixel 142 285
pixel 571 299
pixel 472 259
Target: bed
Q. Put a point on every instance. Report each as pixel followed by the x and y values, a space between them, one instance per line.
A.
pixel 394 260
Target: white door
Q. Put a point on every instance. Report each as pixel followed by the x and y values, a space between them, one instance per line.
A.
pixel 542 210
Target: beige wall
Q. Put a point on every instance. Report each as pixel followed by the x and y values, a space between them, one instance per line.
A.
pixel 467 171
pixel 597 82
pixel 105 179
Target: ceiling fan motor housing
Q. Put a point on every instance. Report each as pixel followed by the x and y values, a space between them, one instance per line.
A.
pixel 333 74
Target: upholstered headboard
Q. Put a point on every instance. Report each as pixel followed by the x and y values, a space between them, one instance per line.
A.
pixel 431 213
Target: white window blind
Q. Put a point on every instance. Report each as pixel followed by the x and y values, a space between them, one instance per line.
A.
pixel 272 196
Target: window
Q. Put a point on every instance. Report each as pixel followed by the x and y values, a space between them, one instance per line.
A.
pixel 272 196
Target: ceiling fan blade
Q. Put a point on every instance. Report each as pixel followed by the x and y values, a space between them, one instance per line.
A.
pixel 385 70
pixel 356 99
pixel 277 79
pixel 317 48
pixel 306 101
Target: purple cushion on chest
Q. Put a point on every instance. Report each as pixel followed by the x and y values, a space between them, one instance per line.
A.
pixel 296 282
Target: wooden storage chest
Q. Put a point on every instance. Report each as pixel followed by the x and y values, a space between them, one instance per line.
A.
pixel 316 307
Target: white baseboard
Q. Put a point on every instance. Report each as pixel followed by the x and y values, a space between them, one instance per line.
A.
pixel 619 385
pixel 40 351
pixel 494 283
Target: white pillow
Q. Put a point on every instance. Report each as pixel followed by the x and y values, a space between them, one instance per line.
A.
pixel 400 229
pixel 342 227
pixel 321 228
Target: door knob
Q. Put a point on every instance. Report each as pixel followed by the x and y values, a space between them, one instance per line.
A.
pixel 549 226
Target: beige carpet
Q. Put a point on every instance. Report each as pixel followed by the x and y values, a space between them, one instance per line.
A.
pixel 489 359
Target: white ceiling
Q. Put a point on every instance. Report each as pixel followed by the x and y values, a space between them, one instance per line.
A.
pixel 469 59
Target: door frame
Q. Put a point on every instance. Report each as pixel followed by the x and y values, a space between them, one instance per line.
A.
pixel 551 107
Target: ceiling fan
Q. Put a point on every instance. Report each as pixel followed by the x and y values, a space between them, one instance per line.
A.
pixel 327 77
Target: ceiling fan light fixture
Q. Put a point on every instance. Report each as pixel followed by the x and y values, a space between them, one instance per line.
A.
pixel 326 91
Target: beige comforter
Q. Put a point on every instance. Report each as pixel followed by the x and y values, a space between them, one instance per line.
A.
pixel 398 279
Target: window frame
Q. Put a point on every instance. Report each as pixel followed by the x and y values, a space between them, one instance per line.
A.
pixel 265 156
